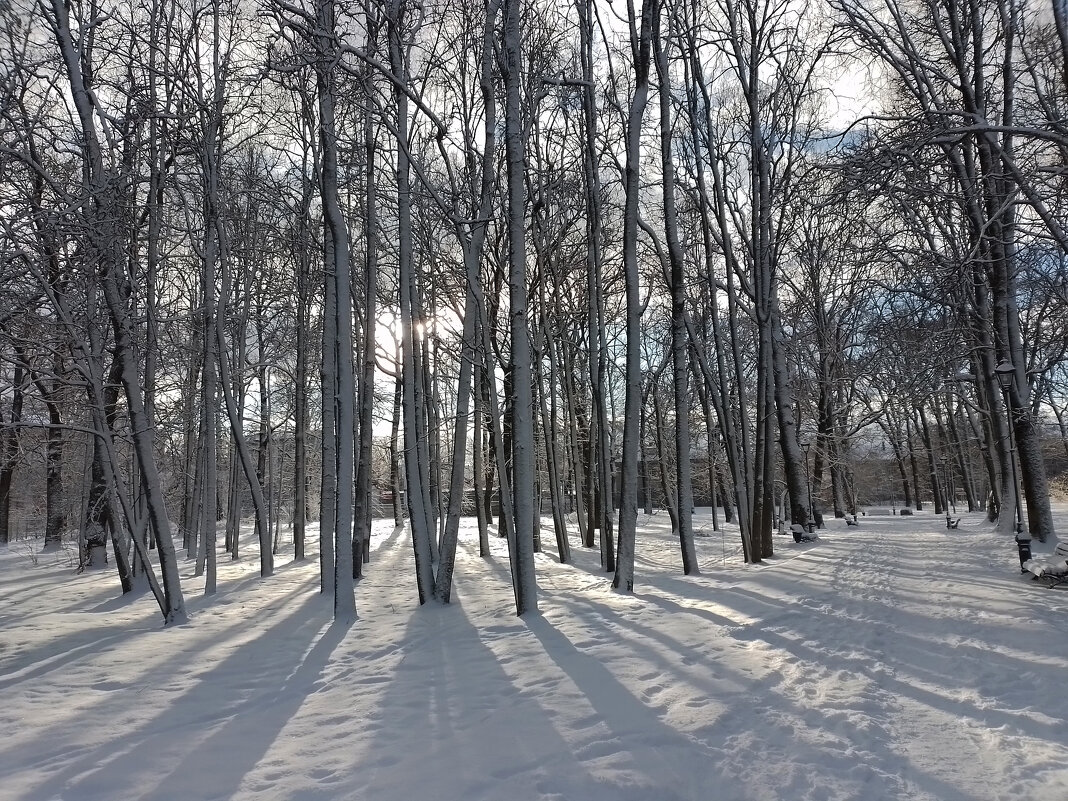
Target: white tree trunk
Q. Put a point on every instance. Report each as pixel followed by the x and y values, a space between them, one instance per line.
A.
pixel 679 341
pixel 419 515
pixel 103 233
pixel 628 493
pixel 522 402
pixel 344 400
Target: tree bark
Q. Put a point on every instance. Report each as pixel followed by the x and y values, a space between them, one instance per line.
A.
pixel 522 401
pixel 344 380
pixel 623 579
pixel 679 341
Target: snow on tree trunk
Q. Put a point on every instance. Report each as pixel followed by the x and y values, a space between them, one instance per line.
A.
pixel 522 401
pixel 104 241
pixel 597 487
pixel 344 397
pixel 361 534
pixel 680 360
pixel 419 515
pixel 794 467
pixel 450 535
pixel 623 578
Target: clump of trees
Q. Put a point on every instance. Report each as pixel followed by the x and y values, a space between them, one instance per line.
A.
pixel 566 259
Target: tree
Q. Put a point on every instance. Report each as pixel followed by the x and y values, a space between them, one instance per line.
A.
pixel 103 241
pixel 641 44
pixel 680 360
pixel 522 402
pixel 953 68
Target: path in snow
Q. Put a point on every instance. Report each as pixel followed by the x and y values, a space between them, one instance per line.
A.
pixel 896 660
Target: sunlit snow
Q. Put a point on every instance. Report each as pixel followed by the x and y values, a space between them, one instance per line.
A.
pixel 892 660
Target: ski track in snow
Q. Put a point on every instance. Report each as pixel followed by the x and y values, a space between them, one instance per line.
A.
pixel 892 661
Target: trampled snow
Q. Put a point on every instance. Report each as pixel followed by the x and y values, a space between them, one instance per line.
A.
pixel 892 660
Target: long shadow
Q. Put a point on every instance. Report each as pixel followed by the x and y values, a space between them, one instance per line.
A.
pixel 384 546
pixel 880 666
pixel 55 653
pixel 217 766
pixel 22 598
pixel 117 601
pixel 760 697
pixel 25 582
pixel 626 628
pixel 14 587
pixel 668 763
pixel 907 653
pixel 230 586
pixel 58 653
pixel 390 540
pixel 241 682
pixel 451 711
pixel 862 660
pixel 954 709
pixel 905 628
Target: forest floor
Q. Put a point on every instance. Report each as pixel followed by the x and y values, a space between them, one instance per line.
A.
pixel 893 660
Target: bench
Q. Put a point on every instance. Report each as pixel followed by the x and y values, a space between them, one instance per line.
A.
pixel 1054 570
pixel 800 535
pixel 851 520
pixel 952 523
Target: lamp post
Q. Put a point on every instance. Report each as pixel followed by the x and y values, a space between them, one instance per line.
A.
pixel 808 480
pixel 712 475
pixel 952 490
pixel 945 488
pixel 1006 374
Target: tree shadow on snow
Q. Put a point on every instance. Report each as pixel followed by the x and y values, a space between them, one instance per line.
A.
pixel 451 717
pixel 217 766
pixel 202 743
pixel 668 763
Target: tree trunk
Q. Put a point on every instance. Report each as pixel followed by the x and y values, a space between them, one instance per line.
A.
pixel 597 487
pixel 418 494
pixel 395 477
pixel 341 348
pixel 301 413
pixel 9 451
pixel 793 459
pixel 450 536
pixel 628 493
pixel 478 440
pixel 328 487
pixel 364 489
pixel 244 453
pixel 55 498
pixel 679 340
pixel 522 402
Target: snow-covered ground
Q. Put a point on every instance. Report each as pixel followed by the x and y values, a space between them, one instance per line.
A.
pixel 895 660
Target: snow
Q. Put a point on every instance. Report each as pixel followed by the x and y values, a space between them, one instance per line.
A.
pixel 1053 564
pixel 893 660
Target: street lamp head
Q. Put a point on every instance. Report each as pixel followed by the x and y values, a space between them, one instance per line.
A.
pixel 805 445
pixel 1005 373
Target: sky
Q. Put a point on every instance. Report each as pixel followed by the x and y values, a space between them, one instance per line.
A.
pixel 892 660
